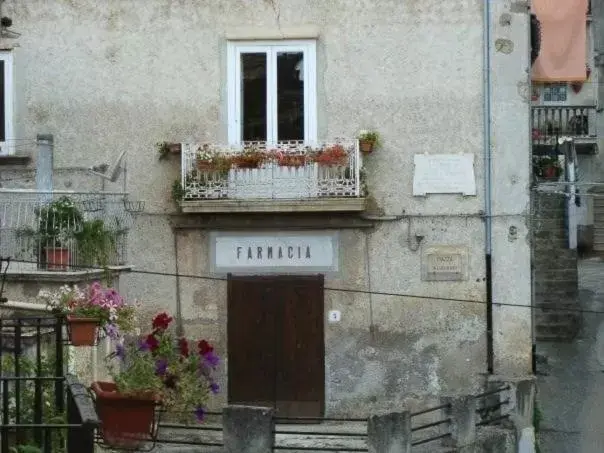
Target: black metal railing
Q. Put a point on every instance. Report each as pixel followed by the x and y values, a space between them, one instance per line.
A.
pixel 441 426
pixel 41 408
pixel 551 122
pixel 491 405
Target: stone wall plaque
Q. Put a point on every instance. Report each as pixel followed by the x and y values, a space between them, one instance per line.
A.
pixel 445 263
pixel 444 173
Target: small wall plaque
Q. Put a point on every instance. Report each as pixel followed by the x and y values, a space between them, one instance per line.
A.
pixel 445 263
pixel 444 173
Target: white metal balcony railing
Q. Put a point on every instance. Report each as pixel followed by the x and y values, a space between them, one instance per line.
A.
pixel 64 230
pixel 256 170
pixel 551 122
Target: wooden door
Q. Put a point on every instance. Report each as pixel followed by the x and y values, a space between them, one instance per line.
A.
pixel 250 342
pixel 276 354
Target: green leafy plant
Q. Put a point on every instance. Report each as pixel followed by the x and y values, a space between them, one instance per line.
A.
pixel 26 449
pixel 97 245
pixel 370 137
pixel 93 301
pixel 178 191
pixel 59 221
pixel 25 442
pixel 547 166
pixel 537 419
pixel 164 365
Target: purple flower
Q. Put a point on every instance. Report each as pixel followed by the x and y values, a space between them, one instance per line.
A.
pixel 112 331
pixel 211 359
pixel 143 346
pixel 214 388
pixel 199 413
pixel 161 367
pixel 119 351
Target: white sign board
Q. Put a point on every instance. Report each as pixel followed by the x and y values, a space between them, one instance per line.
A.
pixel 259 253
pixel 444 173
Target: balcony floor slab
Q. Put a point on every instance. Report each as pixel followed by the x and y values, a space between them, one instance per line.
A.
pixel 271 205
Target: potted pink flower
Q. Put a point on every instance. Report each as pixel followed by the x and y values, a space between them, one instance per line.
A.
pixel 89 309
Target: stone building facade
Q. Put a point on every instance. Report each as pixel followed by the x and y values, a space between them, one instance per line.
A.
pixel 332 305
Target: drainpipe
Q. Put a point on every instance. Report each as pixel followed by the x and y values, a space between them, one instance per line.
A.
pixel 487 179
pixel 179 322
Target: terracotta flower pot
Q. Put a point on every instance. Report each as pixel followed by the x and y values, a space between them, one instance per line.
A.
pixel 82 331
pixel 550 172
pixel 203 165
pixel 366 146
pixel 57 258
pixel 174 148
pixel 127 421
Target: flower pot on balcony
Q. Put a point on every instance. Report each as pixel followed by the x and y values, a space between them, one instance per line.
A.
pixel 366 146
pixel 203 165
pixel 127 421
pixel 82 331
pixel 550 172
pixel 57 258
pixel 174 148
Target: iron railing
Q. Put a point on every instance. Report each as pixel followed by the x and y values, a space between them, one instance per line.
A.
pixel 63 230
pixel 42 408
pixel 430 428
pixel 551 122
pixel 257 170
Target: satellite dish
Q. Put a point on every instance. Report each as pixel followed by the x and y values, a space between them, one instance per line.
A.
pixel 109 173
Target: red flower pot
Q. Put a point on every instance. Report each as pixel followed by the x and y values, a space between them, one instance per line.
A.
pixel 57 258
pixel 127 421
pixel 550 172
pixel 82 331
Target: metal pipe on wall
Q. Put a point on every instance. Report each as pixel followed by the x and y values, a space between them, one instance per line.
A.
pixel 488 227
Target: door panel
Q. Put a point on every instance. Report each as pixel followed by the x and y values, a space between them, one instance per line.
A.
pixel 276 344
pixel 251 348
pixel 300 356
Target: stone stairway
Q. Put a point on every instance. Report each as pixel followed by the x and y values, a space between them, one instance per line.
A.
pixel 556 279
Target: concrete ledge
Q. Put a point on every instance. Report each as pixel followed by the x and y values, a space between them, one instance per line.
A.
pixel 63 276
pixel 269 205
pixel 15 160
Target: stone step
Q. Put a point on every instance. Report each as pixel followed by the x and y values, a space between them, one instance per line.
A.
pixel 552 318
pixel 567 297
pixel 542 275
pixel 558 331
pixel 554 285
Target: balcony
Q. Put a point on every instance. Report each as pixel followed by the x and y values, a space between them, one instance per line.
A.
pixel 50 233
pixel 551 122
pixel 257 177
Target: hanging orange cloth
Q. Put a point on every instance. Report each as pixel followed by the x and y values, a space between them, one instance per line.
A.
pixel 563 53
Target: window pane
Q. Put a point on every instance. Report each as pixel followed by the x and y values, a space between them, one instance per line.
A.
pixel 253 96
pixel 290 95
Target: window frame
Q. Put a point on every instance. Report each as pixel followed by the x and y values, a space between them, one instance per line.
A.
pixel 271 48
pixel 7 57
pixel 551 85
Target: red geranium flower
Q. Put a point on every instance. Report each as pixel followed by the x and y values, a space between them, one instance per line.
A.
pixel 152 342
pixel 204 347
pixel 183 346
pixel 162 321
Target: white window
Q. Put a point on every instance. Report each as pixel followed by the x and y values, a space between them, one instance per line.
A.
pixel 6 101
pixel 272 91
pixel 555 93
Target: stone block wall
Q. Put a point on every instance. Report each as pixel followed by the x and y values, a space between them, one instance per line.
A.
pixel 555 275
